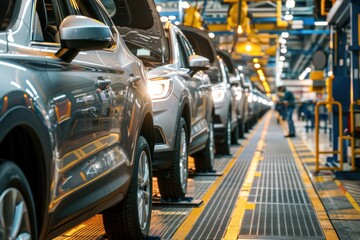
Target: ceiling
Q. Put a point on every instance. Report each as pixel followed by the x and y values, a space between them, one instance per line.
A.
pixel 267 21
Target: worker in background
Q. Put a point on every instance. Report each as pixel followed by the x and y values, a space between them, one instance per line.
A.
pixel 287 99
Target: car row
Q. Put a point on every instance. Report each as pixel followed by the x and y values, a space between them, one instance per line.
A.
pixel 96 97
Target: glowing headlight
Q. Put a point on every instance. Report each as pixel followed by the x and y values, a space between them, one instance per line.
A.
pixel 218 95
pixel 159 88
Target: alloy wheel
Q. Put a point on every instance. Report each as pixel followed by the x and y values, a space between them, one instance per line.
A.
pixel 14 216
pixel 144 193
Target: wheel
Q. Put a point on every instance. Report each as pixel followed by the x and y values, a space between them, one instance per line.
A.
pixel 175 186
pixel 224 146
pixel 130 219
pixel 204 160
pixel 235 134
pixel 241 129
pixel 17 209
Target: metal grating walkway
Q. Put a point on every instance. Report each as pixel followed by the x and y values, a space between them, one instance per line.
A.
pixel 213 221
pixel 283 209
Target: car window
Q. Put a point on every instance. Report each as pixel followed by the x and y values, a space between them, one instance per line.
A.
pixel 109 6
pixel 183 54
pixel 8 13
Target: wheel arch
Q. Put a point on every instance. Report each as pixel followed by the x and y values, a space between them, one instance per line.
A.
pixel 24 140
pixel 147 128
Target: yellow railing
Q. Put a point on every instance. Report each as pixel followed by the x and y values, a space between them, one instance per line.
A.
pixel 317 143
pixel 352 134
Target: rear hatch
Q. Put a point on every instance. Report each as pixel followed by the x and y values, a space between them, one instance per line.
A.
pixel 139 24
pixel 203 46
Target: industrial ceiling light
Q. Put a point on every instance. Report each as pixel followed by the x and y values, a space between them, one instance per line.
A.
pixel 288 17
pixel 240 68
pixel 211 35
pixel 282 58
pixel 248 47
pixel 164 19
pixel 282 40
pixel 255 60
pixel 257 65
pixel 320 23
pixel 158 8
pixel 239 29
pixel 290 4
pixel 284 34
pixel 304 73
pixel 184 4
pixel 172 17
pixel 177 22
pixel 283 50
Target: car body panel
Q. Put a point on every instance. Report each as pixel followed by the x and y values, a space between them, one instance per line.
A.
pixel 87 134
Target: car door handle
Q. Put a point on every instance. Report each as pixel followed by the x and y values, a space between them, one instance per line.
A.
pixel 134 79
pixel 103 83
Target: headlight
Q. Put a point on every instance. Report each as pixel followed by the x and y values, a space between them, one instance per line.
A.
pixel 218 95
pixel 159 88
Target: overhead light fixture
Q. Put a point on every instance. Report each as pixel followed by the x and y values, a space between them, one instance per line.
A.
pixel 172 17
pixel 320 23
pixel 288 17
pixel 284 34
pixel 211 35
pixel 290 4
pixel 239 29
pixel 255 60
pixel 282 40
pixel 304 73
pixel 164 19
pixel 257 65
pixel 248 47
pixel 282 58
pixel 158 8
pixel 283 50
pixel 177 22
pixel 184 4
pixel 262 78
pixel 240 68
pixel 330 73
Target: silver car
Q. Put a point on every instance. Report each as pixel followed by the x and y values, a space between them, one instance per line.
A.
pixel 181 94
pixel 226 110
pixel 76 123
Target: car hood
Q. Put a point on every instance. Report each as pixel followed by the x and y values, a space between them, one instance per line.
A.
pixel 139 23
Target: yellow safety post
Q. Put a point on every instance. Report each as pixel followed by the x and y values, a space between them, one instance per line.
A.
pixel 317 147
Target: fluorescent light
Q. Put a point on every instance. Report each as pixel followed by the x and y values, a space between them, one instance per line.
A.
pixel 290 3
pixel 255 60
pixel 239 29
pixel 308 69
pixel 164 19
pixel 288 17
pixel 284 34
pixel 257 65
pixel 282 40
pixel 211 35
pixel 184 4
pixel 248 48
pixel 320 23
pixel 282 58
pixel 240 68
pixel 171 17
pixel 158 8
pixel 177 22
pixel 283 50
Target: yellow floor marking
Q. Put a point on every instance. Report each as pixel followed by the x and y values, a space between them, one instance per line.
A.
pixel 242 203
pixel 187 225
pixel 257 174
pixel 348 196
pixel 308 160
pixel 250 206
pixel 74 230
pixel 328 229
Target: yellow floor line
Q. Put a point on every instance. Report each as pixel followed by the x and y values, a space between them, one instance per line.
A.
pixel 187 225
pixel 328 229
pixel 242 204
pixel 348 195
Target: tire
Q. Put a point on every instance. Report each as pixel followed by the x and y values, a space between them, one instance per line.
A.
pixel 175 186
pixel 223 147
pixel 204 160
pixel 125 220
pixel 241 129
pixel 16 198
pixel 235 134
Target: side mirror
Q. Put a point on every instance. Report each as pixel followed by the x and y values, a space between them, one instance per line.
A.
pixel 198 63
pixel 80 33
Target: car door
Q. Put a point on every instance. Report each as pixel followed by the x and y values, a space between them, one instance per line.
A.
pixel 199 88
pixel 81 131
